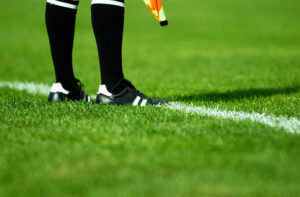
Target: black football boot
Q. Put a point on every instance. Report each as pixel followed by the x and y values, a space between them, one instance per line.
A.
pixel 58 94
pixel 124 93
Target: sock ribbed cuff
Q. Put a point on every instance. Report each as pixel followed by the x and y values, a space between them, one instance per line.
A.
pixel 108 2
pixel 71 4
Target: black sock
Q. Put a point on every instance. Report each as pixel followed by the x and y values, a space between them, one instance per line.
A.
pixel 60 22
pixel 108 22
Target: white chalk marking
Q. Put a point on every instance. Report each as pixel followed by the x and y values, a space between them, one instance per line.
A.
pixel 31 88
pixel 288 124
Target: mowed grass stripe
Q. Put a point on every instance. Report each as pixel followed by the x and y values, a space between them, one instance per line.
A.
pixel 288 124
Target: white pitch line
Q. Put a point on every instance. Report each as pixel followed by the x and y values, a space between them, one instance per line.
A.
pixel 32 88
pixel 289 124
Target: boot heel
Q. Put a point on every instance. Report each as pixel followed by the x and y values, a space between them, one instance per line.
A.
pixel 56 97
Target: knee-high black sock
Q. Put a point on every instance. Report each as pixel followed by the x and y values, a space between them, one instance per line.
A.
pixel 60 22
pixel 108 22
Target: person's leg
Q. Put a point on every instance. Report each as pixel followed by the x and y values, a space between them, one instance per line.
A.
pixel 108 22
pixel 60 23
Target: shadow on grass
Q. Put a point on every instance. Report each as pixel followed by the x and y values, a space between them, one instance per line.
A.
pixel 238 94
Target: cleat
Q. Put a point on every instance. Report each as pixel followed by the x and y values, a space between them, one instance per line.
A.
pixel 124 93
pixel 59 94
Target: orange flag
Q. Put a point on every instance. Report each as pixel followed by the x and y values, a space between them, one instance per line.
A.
pixel 157 10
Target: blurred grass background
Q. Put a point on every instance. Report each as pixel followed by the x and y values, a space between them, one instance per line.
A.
pixel 242 55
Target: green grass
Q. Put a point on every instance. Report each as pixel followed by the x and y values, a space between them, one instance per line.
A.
pixel 227 54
